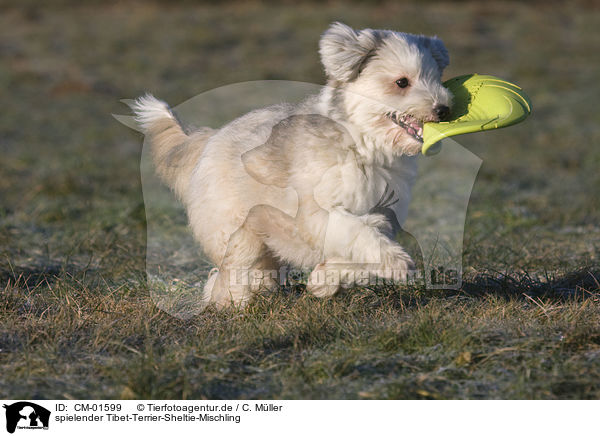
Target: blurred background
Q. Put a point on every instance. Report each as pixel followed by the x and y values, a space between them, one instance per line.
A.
pixel 70 187
pixel 72 220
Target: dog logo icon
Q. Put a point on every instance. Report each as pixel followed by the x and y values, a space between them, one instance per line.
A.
pixel 26 415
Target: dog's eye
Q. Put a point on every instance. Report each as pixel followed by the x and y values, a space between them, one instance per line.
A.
pixel 402 83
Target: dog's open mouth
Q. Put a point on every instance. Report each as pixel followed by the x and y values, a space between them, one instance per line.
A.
pixel 413 126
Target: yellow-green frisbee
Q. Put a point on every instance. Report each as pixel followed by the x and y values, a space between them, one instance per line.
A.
pixel 480 103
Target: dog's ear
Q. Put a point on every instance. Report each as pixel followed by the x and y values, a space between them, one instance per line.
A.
pixel 439 52
pixel 344 51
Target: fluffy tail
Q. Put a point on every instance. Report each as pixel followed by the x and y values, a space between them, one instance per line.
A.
pixel 175 154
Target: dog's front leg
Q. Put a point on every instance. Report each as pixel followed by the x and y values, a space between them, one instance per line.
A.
pixel 356 250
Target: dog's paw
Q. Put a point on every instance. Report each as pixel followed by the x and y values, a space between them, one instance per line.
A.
pixel 324 280
pixel 396 264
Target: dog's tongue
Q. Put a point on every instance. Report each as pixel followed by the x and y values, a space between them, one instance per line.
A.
pixel 414 127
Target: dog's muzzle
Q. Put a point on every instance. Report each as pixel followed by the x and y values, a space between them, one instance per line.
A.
pixel 412 125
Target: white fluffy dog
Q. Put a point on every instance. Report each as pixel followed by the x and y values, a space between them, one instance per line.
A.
pixel 321 185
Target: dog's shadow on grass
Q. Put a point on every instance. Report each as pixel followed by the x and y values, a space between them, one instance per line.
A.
pixel 31 277
pixel 581 284
pixel 576 284
pixel 37 276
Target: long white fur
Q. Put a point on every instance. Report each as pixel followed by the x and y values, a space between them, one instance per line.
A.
pixel 296 184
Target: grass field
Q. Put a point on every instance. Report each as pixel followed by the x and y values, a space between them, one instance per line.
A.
pixel 76 317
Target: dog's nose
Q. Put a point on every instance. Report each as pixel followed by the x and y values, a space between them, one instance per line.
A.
pixel 442 111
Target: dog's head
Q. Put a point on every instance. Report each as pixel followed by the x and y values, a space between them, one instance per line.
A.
pixel 391 83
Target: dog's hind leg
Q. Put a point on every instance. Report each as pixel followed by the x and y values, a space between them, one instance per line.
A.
pixel 248 265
